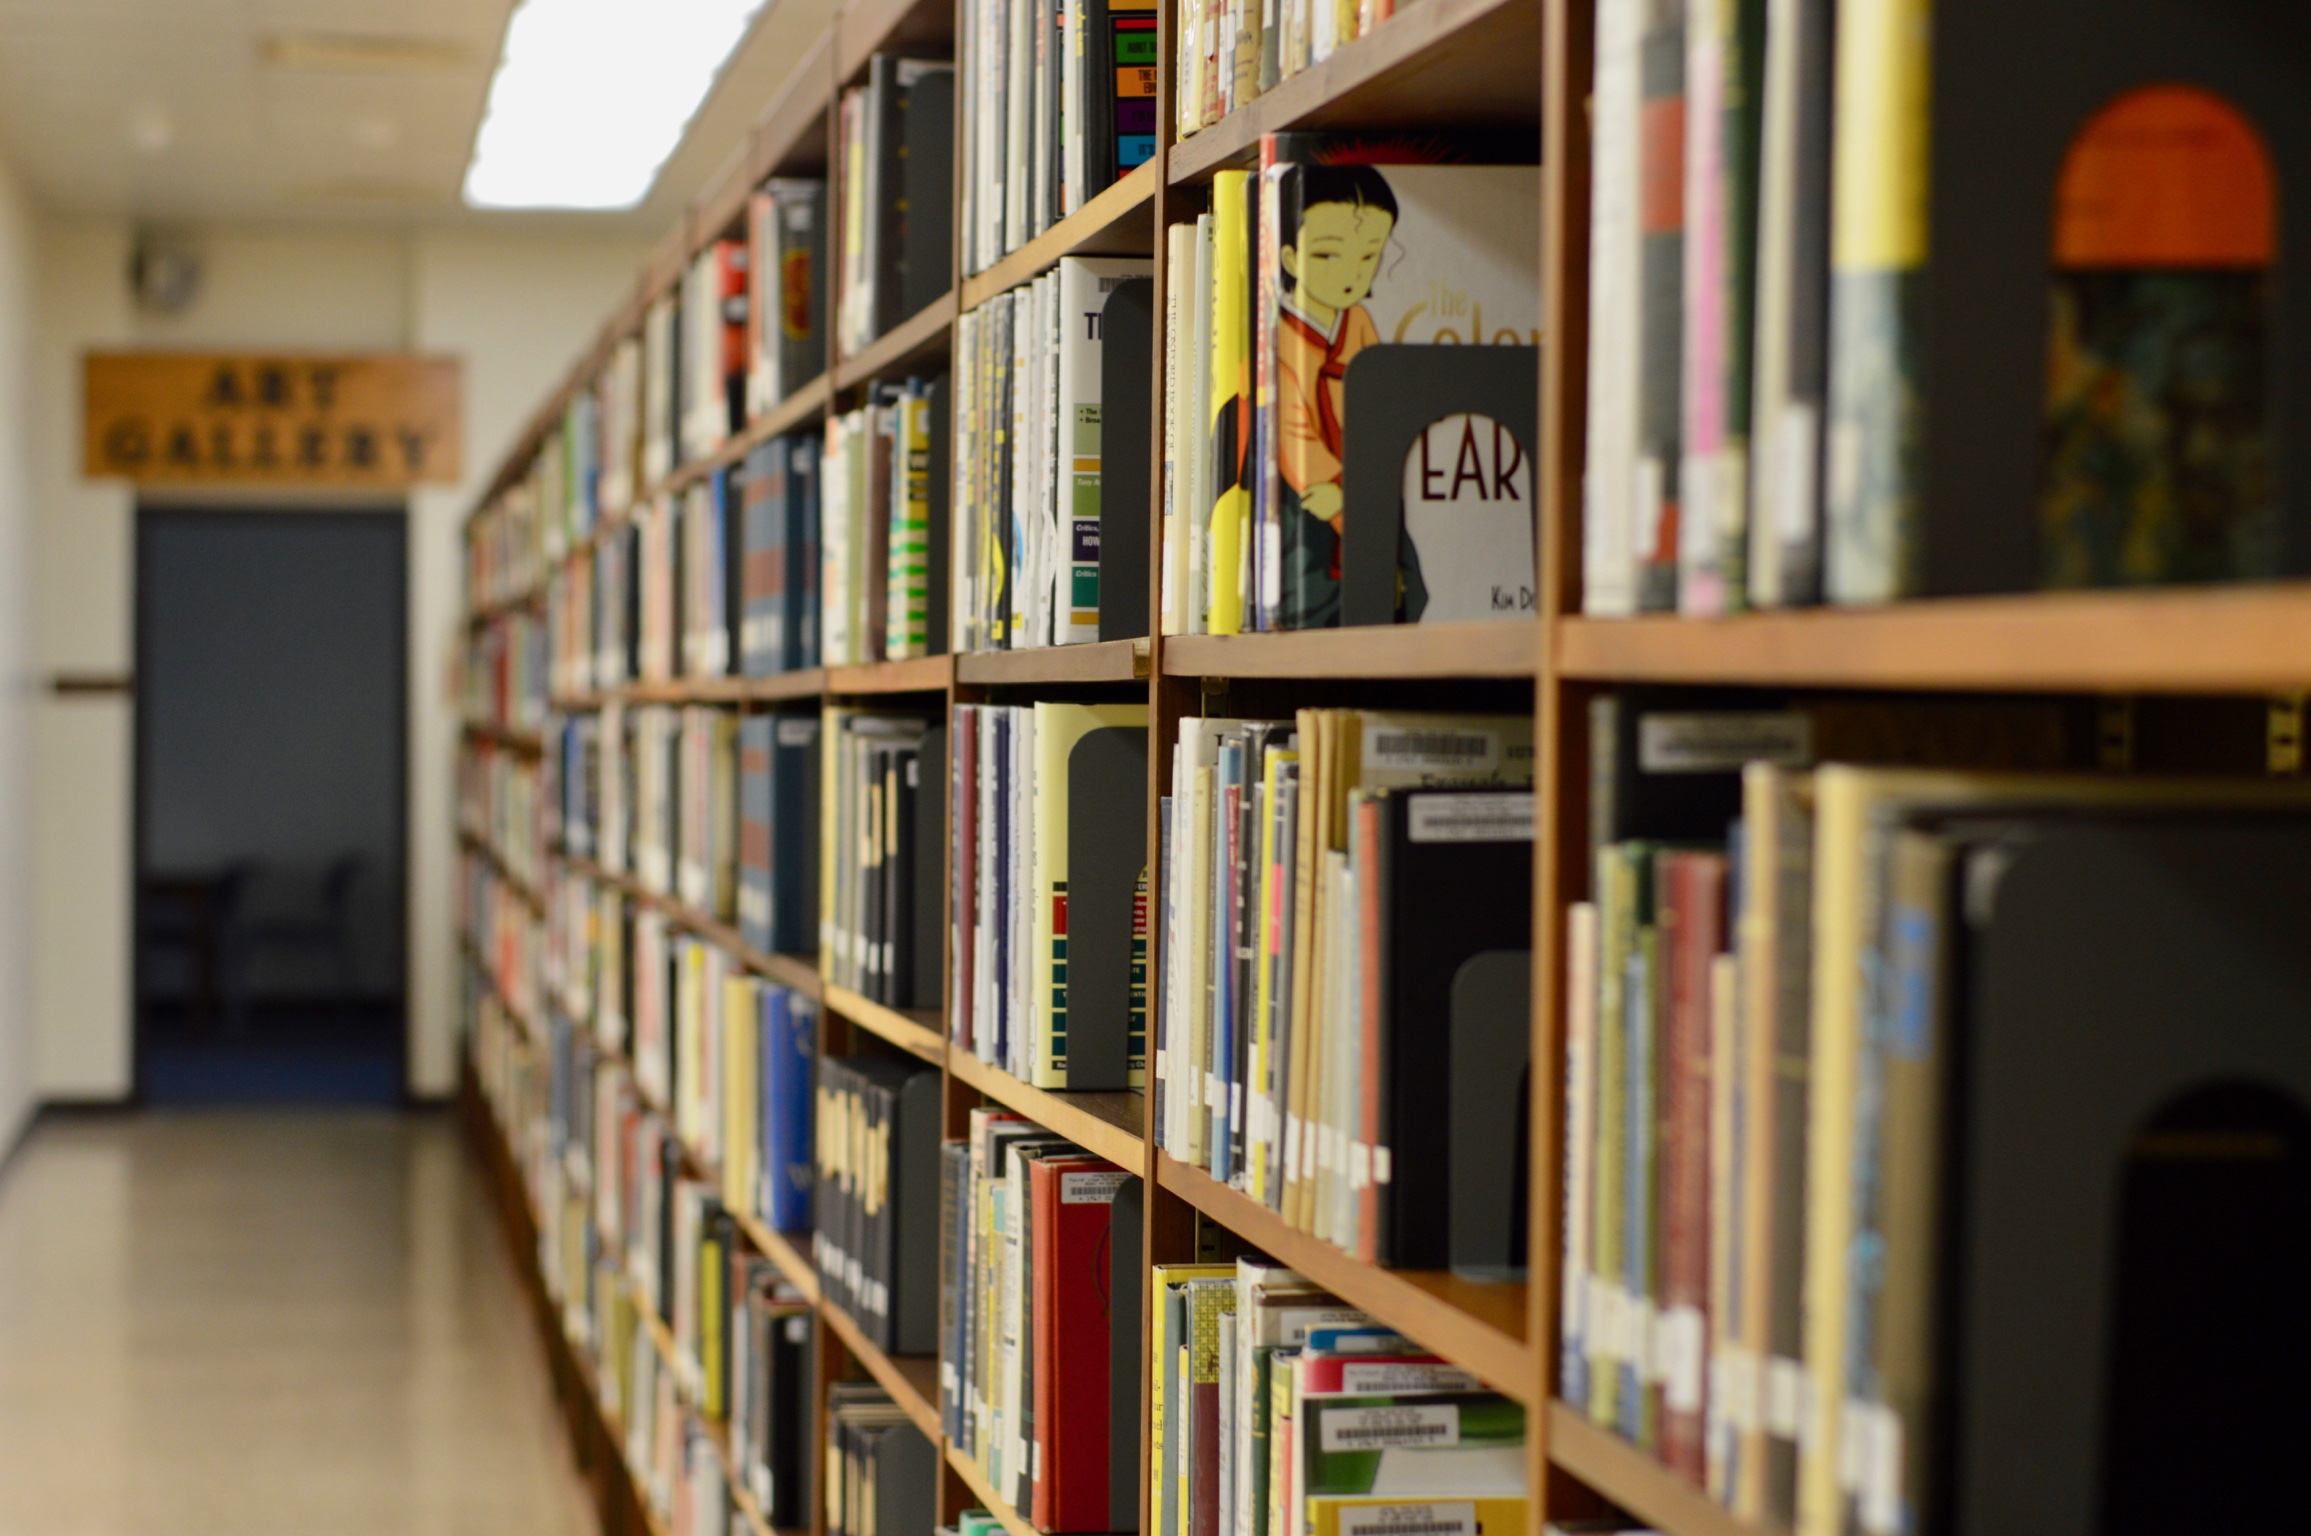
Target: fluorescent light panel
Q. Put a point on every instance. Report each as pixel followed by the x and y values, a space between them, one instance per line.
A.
pixel 591 97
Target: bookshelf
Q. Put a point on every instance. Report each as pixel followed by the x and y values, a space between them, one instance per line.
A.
pixel 1452 64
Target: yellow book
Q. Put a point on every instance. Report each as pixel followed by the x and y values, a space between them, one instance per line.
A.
pixel 1230 500
pixel 1363 1515
pixel 741 1072
pixel 1169 1491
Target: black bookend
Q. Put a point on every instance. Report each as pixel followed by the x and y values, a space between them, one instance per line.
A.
pixel 1491 1045
pixel 1459 886
pixel 1391 395
pixel 1126 409
pixel 1124 1354
pixel 915 1202
pixel 1106 849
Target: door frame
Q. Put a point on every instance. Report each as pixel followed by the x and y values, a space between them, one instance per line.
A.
pixel 146 513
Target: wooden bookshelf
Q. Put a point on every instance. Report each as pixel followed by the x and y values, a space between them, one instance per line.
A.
pixel 1109 1124
pixel 911 345
pixel 924 674
pixel 1118 222
pixel 915 1031
pixel 1108 661
pixel 528 743
pixel 988 1499
pixel 912 1380
pixel 1637 1482
pixel 1413 650
pixel 1472 1324
pixel 2245 640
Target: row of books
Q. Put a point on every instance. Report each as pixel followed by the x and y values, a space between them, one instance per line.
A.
pixel 504 549
pixel 896 156
pixel 1346 994
pixel 696 1341
pixel 1227 52
pixel 1327 461
pixel 1787 983
pixel 1279 1411
pixel 500 798
pixel 884 525
pixel 1059 101
pixel 501 930
pixel 727 1055
pixel 882 1473
pixel 1028 432
pixel 1050 973
pixel 1036 1385
pixel 506 672
pixel 1761 429
pixel 876 1242
pixel 879 856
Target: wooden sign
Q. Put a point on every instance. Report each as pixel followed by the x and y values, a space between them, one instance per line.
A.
pixel 381 421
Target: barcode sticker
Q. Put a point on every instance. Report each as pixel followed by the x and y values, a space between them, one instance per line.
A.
pixel 1405 1376
pixel 1375 1429
pixel 1471 819
pixel 1408 1520
pixel 1438 749
pixel 796 730
pixel 1785 1393
pixel 1090 1188
pixel 1720 742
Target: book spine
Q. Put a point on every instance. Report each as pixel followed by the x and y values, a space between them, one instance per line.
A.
pixel 1608 572
pixel 1661 270
pixel 1875 503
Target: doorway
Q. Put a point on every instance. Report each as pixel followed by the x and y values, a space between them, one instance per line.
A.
pixel 271 753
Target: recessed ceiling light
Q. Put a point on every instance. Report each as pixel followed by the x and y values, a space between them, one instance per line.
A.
pixel 376 131
pixel 591 96
pixel 361 53
pixel 151 129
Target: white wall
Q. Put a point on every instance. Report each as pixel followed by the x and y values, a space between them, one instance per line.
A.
pixel 516 308
pixel 18 1070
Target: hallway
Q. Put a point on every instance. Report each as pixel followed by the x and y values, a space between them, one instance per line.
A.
pixel 268 1325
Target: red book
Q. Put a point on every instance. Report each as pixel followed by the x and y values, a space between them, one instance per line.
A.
pixel 1073 1202
pixel 1692 919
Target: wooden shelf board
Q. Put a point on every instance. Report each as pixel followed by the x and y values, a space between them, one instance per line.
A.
pixel 1108 1124
pixel 917 1032
pixel 913 340
pixel 1637 1482
pixel 1508 649
pixel 720 208
pixel 498 608
pixel 1108 661
pixel 781 688
pixel 528 743
pixel 1118 222
pixel 1434 64
pixel 787 970
pixel 924 674
pixel 1471 1323
pixel 912 1380
pixel 779 1248
pixel 993 1502
pixel 2237 639
pixel 522 888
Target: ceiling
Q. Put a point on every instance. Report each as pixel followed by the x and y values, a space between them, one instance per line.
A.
pixel 333 110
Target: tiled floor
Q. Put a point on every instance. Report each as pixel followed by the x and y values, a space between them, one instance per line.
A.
pixel 237 1324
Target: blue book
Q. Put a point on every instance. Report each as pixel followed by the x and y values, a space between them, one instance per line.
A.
pixel 762 648
pixel 789 1052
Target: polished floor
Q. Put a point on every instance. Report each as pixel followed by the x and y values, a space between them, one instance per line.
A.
pixel 268 1324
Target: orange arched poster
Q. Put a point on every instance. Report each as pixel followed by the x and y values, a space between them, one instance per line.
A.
pixel 2158 457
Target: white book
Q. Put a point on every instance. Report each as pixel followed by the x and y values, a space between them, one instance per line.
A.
pixel 834 549
pixel 1019 106
pixel 1179 263
pixel 1085 285
pixel 658 391
pixel 1195 508
pixel 1608 571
